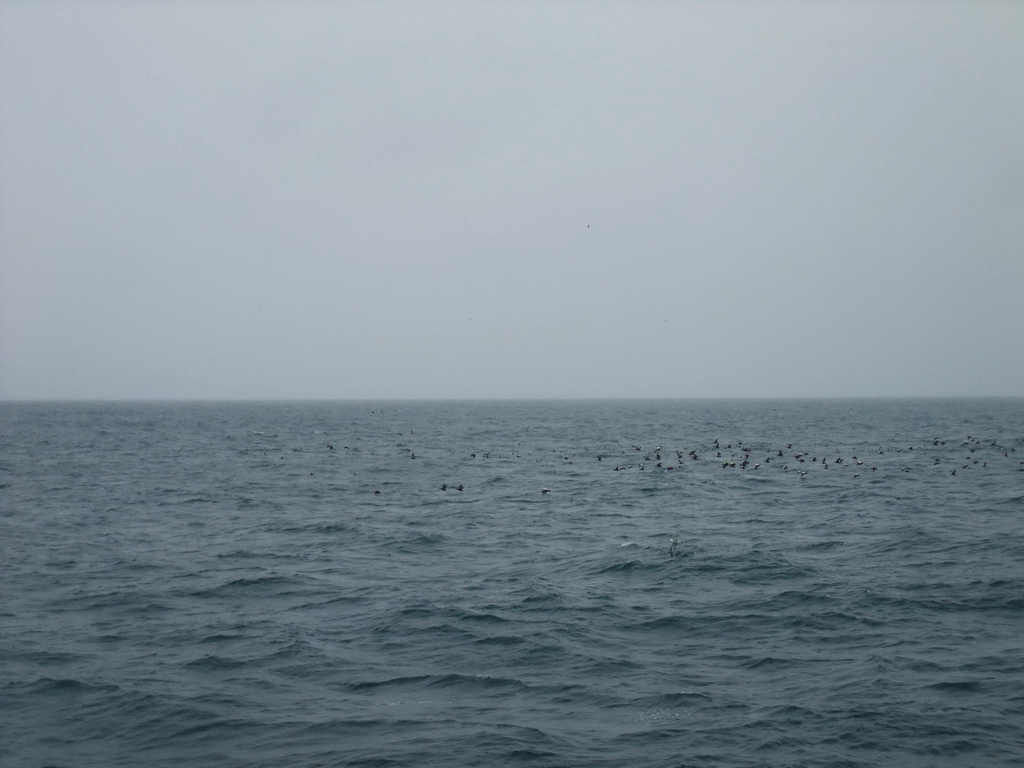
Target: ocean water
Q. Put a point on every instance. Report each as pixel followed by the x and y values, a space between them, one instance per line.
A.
pixel 389 584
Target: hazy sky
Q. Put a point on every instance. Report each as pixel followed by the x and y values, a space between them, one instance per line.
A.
pixel 511 199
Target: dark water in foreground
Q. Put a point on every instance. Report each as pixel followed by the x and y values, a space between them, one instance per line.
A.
pixel 216 585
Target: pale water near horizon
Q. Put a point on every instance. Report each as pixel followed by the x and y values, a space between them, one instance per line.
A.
pixel 304 584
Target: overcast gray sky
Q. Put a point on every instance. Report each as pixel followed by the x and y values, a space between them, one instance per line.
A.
pixel 511 199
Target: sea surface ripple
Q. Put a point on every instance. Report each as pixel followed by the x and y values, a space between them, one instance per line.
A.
pixel 491 583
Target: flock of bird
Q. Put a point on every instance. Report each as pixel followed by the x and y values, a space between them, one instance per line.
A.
pixel 746 457
pixel 936 455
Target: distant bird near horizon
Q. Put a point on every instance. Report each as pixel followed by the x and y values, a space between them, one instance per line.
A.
pixel 742 455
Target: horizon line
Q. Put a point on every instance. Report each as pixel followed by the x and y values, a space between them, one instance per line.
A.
pixel 499 399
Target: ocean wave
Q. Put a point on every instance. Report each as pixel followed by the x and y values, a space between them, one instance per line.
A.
pixel 445 681
pixel 168 598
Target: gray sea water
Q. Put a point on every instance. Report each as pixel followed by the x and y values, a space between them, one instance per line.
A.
pixel 390 584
